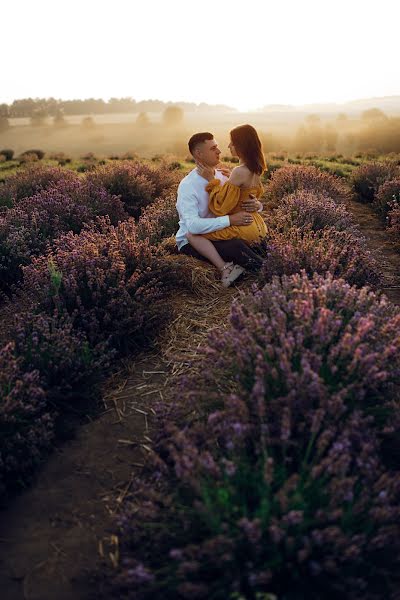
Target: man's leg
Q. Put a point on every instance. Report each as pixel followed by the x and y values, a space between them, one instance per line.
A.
pixel 190 251
pixel 237 251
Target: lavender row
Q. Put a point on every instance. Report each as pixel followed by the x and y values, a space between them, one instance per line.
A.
pixel 38 204
pixel 93 296
pixel 274 473
pixel 280 478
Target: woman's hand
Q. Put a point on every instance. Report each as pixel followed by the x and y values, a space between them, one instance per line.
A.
pixel 224 169
pixel 251 204
pixel 205 171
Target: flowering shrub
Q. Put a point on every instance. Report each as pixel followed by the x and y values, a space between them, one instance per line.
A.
pixel 32 179
pixel 290 179
pixel 28 227
pixel 315 209
pixel 61 355
pixel 39 153
pixel 137 183
pixel 387 196
pixel 26 429
pixel 368 177
pixel 283 485
pixel 341 253
pixel 159 220
pixel 394 223
pixel 111 283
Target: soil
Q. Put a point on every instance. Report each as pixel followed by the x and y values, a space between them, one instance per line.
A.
pixel 381 245
pixel 55 535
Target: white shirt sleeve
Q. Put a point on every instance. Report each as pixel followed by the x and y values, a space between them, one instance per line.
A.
pixel 188 209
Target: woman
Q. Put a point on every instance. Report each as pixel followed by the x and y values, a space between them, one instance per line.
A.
pixel 244 181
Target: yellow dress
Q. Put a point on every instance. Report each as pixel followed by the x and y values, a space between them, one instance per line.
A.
pixel 226 199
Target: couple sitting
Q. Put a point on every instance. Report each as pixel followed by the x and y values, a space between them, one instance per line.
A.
pixel 219 213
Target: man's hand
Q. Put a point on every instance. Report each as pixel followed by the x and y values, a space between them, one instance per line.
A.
pixel 241 218
pixel 251 204
pixel 205 171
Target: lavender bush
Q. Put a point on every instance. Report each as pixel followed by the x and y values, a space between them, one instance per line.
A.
pixel 31 180
pixel 307 208
pixel 137 183
pixel 367 178
pixel 282 488
pixel 394 223
pixel 68 366
pixel 111 283
pixel 26 429
pixel 342 253
pixel 290 179
pixel 34 222
pixel 387 196
pixel 159 220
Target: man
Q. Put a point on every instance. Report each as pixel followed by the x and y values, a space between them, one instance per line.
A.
pixel 195 217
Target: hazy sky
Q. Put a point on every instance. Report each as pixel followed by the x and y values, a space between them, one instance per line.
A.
pixel 242 53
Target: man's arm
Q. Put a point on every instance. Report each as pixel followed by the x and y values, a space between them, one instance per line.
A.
pixel 188 209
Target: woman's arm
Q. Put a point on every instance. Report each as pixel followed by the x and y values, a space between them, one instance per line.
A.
pixel 223 199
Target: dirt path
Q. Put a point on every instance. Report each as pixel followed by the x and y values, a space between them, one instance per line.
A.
pixel 379 241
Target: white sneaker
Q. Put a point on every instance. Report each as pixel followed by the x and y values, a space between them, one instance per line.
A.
pixel 230 273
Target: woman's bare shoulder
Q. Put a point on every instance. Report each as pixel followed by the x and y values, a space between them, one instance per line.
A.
pixel 239 175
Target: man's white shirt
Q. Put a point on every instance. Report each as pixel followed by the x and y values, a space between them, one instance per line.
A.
pixel 192 207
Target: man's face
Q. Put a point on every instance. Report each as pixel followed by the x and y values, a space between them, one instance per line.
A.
pixel 208 153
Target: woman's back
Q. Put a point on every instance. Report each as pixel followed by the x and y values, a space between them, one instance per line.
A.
pixel 244 178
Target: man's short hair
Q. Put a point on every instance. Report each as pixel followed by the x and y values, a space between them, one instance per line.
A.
pixel 199 138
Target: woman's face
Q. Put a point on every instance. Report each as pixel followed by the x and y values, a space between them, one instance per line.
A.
pixel 232 148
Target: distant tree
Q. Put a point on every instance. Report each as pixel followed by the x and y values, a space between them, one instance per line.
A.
pixel 59 119
pixel 142 120
pixel 301 140
pixel 373 114
pixel 4 110
pixel 4 123
pixel 122 105
pixel 38 117
pixel 88 123
pixel 173 116
pixel 331 137
pixel 8 153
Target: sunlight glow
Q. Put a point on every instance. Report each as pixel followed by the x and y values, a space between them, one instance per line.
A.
pixel 243 54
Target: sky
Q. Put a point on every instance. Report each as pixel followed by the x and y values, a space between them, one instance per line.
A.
pixel 245 54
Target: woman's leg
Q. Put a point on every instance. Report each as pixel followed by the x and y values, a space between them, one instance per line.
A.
pixel 206 249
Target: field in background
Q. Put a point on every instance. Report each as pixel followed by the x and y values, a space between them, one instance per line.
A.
pixel 148 134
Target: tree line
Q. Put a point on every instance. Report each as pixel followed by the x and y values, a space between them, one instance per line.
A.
pixel 51 107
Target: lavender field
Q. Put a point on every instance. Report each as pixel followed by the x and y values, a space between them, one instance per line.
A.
pixel 257 427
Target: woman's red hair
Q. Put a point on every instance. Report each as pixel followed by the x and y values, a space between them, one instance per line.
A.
pixel 248 146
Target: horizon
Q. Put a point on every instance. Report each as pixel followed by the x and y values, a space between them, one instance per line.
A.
pixel 93 51
pixel 287 105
